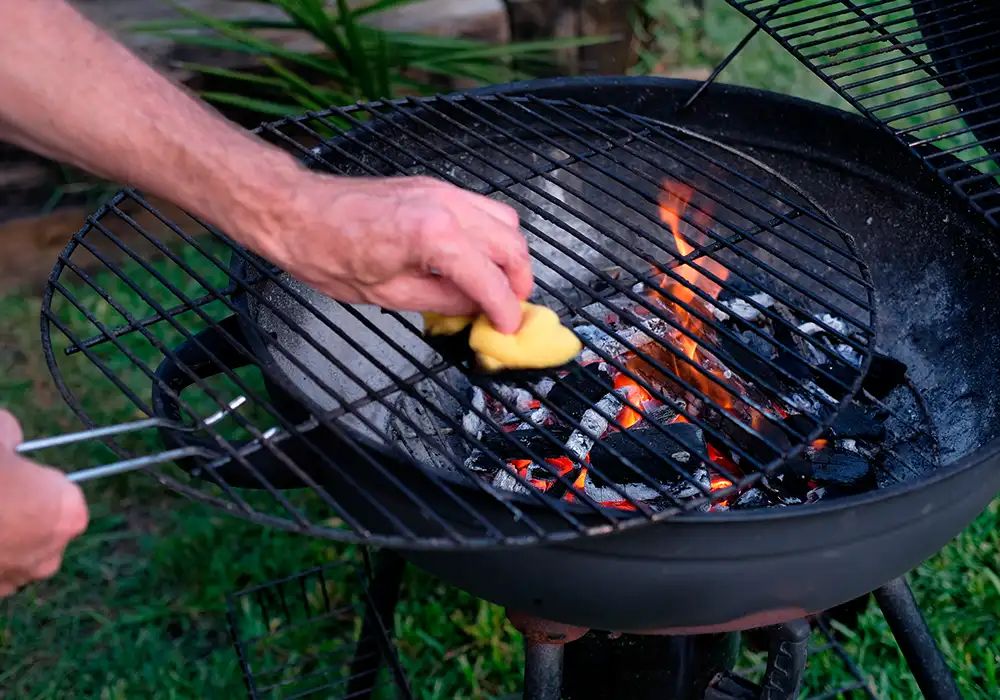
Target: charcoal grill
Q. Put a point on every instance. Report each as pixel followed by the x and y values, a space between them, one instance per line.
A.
pixel 637 213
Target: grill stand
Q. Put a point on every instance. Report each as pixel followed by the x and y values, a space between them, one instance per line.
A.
pixel 916 642
pixel 386 580
pixel 683 657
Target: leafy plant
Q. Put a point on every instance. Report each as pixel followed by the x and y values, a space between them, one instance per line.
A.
pixel 357 61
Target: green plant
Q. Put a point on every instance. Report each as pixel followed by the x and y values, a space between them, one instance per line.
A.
pixel 357 61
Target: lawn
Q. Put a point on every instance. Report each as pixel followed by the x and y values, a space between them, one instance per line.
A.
pixel 139 609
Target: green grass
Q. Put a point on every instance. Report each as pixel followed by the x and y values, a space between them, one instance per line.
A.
pixel 139 609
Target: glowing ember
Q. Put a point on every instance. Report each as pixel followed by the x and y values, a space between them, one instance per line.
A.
pixel 819 445
pixel 720 482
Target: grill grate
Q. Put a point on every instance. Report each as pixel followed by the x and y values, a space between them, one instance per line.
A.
pixel 657 243
pixel 926 71
pixel 303 636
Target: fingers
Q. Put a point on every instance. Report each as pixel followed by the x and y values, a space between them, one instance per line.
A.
pixel 499 231
pixel 41 511
pixel 474 274
pixel 10 431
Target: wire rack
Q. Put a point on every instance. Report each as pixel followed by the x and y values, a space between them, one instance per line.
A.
pixel 317 633
pixel 296 638
pixel 644 237
pixel 926 71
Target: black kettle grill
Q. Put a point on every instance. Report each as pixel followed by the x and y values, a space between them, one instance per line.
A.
pixel 357 429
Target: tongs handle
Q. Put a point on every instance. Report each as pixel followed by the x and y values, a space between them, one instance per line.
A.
pixel 128 465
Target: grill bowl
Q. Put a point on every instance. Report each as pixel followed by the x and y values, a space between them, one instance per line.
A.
pixel 933 269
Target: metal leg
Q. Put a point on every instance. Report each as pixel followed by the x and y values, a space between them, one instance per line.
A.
pixel 915 640
pixel 383 594
pixel 543 670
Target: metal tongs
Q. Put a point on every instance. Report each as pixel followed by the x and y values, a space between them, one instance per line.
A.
pixel 128 465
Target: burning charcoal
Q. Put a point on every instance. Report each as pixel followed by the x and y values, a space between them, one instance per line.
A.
pixel 524 440
pixel 519 398
pixel 543 386
pixel 505 481
pixel 752 498
pixel 884 375
pixel 472 424
pixel 593 424
pixel 664 412
pixel 750 353
pixel 674 441
pixel 590 382
pixel 755 446
pixel 843 470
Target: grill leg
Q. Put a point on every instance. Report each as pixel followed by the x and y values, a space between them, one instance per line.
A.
pixel 543 670
pixel 387 578
pixel 916 642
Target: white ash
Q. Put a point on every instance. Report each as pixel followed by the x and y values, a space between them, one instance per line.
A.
pixel 604 494
pixel 543 386
pixel 505 480
pixel 810 328
pixel 742 308
pixel 835 323
pixel 521 399
pixel 472 424
pixel 849 354
pixel 535 419
pixel 594 424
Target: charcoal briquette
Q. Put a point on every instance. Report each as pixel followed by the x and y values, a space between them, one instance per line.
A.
pixel 844 470
pixel 750 353
pixel 858 423
pixel 884 375
pixel 753 498
pixel 762 448
pixel 675 442
pixel 529 439
pixel 581 389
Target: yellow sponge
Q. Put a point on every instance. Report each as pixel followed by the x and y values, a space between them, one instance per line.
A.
pixel 541 341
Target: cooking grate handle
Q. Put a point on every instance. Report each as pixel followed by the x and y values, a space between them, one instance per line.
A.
pixel 136 463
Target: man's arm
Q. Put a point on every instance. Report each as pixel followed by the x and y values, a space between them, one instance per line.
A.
pixel 71 93
pixel 74 94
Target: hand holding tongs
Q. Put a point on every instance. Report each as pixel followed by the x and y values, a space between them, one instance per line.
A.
pixel 129 465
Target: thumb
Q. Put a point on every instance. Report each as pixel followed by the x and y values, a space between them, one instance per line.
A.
pixel 10 431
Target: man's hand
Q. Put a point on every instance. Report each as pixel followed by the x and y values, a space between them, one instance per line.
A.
pixel 40 512
pixel 413 244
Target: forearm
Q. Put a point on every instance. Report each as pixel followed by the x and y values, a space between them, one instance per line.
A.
pixel 71 93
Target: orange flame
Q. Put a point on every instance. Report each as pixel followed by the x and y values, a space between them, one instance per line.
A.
pixel 819 445
pixel 674 204
pixel 638 396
